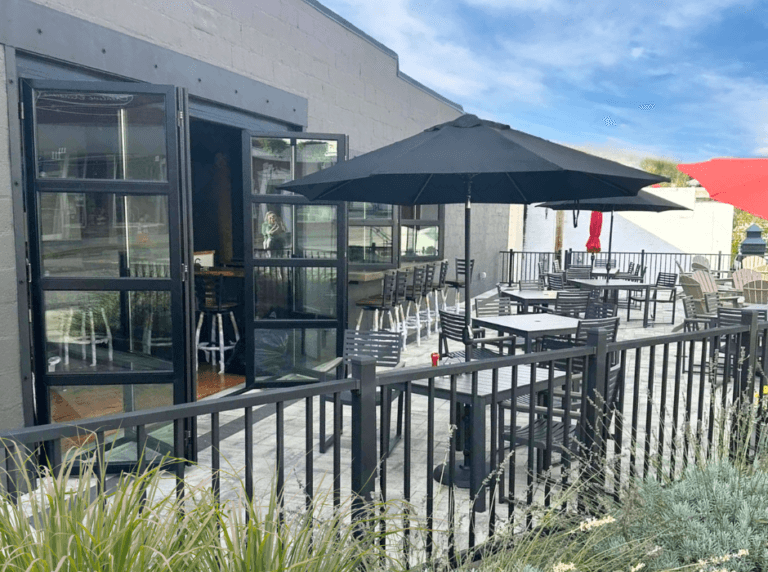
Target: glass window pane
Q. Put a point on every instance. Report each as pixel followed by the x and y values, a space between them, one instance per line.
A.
pixel 104 235
pixel 271 165
pixel 279 352
pixel 70 404
pixel 284 293
pixel 415 212
pixel 369 211
pixel 100 136
pixel 294 231
pixel 314 155
pixel 108 331
pixel 419 241
pixel 370 244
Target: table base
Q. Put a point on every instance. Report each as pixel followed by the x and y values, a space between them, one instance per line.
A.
pixel 461 474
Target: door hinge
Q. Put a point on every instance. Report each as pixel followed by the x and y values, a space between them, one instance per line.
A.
pixel 188 443
pixel 184 272
pixel 29 312
pixel 180 117
pixel 29 272
pixel 21 110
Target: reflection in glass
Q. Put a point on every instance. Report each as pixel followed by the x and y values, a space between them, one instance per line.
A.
pixel 283 293
pixel 313 155
pixel 294 231
pixel 424 212
pixel 281 352
pixel 370 244
pixel 108 331
pixel 74 403
pixel 271 165
pixel 104 235
pixel 370 211
pixel 100 136
pixel 419 240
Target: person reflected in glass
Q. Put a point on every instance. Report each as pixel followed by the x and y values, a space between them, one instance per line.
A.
pixel 273 230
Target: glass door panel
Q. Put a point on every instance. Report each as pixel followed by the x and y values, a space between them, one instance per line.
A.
pixel 106 254
pixel 296 272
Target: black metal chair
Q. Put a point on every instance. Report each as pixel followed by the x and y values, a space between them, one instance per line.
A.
pixel 556 281
pixel 665 282
pixel 596 309
pixel 452 328
pixel 501 306
pixel 384 348
pixel 461 275
pixel 380 305
pixel 571 303
pixel 414 295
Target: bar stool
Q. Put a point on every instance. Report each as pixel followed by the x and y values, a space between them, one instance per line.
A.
pixel 398 298
pixel 438 287
pixel 211 305
pixel 461 276
pixel 379 305
pixel 413 296
pixel 428 314
pixel 88 335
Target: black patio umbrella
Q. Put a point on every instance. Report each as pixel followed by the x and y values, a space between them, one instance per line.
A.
pixel 642 202
pixel 471 159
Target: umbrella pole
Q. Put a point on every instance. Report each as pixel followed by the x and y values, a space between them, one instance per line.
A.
pixel 610 246
pixel 467 274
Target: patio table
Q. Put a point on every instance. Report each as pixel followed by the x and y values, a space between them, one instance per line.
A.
pixel 602 272
pixel 615 286
pixel 508 388
pixel 529 326
pixel 526 297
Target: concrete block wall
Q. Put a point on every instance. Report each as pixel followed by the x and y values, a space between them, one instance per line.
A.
pixel 11 415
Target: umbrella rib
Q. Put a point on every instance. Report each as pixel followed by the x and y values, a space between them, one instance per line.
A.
pixel 610 184
pixel 332 189
pixel 517 188
pixel 421 190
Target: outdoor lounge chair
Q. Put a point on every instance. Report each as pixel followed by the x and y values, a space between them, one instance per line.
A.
pixel 753 262
pixel 756 292
pixel 708 285
pixel 744 275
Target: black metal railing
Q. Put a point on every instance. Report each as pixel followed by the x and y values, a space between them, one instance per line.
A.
pixel 639 408
pixel 519 265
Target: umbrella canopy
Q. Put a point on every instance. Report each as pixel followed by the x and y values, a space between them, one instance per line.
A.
pixel 471 159
pixel 642 202
pixel 738 182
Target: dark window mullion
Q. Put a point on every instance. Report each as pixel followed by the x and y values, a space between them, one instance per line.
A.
pixel 111 378
pixel 106 284
pixel 295 262
pixel 106 186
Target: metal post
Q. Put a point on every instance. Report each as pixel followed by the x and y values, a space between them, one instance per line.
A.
pixel 595 412
pixel 364 456
pixel 719 259
pixel 742 399
pixel 510 268
pixel 467 273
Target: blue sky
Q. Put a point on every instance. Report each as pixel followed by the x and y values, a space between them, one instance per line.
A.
pixel 682 79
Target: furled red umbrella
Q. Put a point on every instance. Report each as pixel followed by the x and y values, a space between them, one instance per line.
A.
pixel 742 183
pixel 595 227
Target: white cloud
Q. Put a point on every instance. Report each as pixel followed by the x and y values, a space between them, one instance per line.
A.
pixel 637 52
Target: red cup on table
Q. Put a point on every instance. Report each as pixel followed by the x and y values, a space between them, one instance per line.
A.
pixel 435 359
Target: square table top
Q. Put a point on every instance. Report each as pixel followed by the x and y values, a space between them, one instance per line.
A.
pixel 530 325
pixel 600 270
pixel 531 295
pixel 602 284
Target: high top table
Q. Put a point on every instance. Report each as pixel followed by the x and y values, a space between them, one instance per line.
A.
pixel 529 326
pixel 615 286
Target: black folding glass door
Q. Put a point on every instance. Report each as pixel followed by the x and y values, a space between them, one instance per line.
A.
pixel 106 255
pixel 295 259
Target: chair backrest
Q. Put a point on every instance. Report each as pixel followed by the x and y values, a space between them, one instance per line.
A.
pixel 382 345
pixel 417 282
pixel 530 285
pixel 680 268
pixel 572 303
pixel 631 268
pixel 696 266
pixel 689 307
pixel 578 272
pixel 711 302
pixel 752 262
pixel 442 276
pixel 489 307
pixel 596 309
pixel 728 317
pixel 691 287
pixel 388 287
pixel 452 326
pixel 611 325
pixel 640 271
pixel 744 275
pixel 556 282
pixel 756 292
pixel 705 279
pixel 701 261
pixel 461 268
pixel 401 286
pixel 429 278
pixel 556 266
pixel 542 268
pixel 666 280
pixel 600 262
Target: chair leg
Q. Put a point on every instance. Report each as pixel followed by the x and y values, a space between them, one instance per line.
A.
pixel 197 340
pixel 375 321
pixel 359 320
pixel 234 326
pixel 221 341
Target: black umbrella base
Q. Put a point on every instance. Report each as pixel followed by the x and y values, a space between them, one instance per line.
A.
pixel 461 474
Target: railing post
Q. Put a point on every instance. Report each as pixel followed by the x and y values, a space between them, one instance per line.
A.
pixel 510 268
pixel 719 259
pixel 594 412
pixel 746 372
pixel 642 258
pixel 364 456
pixel 568 255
